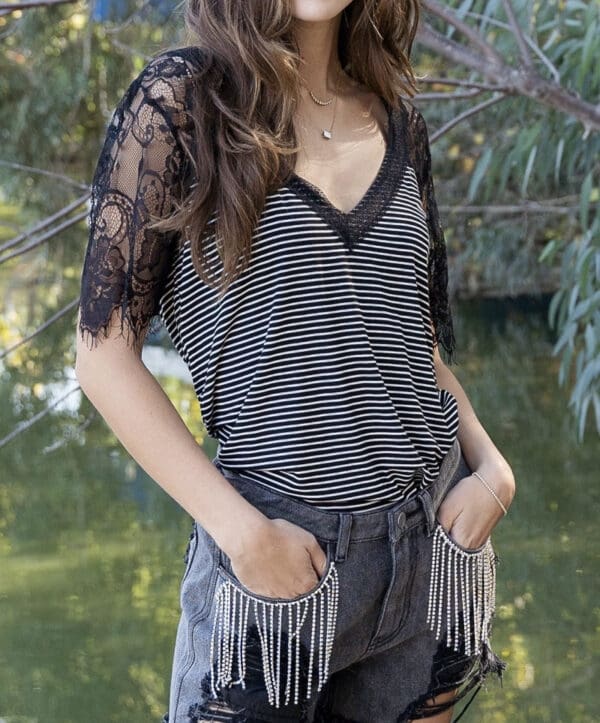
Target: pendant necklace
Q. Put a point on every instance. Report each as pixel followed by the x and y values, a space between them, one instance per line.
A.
pixel 327 132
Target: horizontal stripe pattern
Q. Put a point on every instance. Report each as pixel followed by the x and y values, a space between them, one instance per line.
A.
pixel 315 370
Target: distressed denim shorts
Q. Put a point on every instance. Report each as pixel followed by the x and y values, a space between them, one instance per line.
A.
pixel 401 615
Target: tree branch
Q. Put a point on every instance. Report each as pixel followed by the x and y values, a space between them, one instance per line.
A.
pixel 44 172
pixel 458 81
pixel 7 8
pixel 517 208
pixel 24 426
pixel 44 223
pixel 448 16
pixel 525 82
pixel 60 313
pixel 44 237
pixel 535 48
pixel 449 96
pixel 516 28
pixel 465 114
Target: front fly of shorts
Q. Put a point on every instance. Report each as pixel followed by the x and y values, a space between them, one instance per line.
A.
pixel 402 614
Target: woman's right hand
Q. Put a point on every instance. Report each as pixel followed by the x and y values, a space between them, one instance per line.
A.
pixel 279 559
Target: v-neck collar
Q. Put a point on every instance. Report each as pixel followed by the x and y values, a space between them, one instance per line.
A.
pixel 353 224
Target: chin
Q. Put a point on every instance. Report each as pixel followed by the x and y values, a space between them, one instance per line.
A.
pixel 314 11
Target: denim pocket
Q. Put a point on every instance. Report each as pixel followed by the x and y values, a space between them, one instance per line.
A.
pixel 225 571
pixel 296 634
pixel 451 541
pixel 462 592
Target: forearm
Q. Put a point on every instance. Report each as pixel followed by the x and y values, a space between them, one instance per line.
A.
pixel 480 452
pixel 141 415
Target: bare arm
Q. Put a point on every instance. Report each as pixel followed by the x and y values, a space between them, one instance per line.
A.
pixel 270 555
pixel 469 510
pixel 143 418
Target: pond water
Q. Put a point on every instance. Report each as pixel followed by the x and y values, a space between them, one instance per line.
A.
pixel 91 549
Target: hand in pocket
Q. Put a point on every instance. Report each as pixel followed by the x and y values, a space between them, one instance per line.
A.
pixel 280 560
pixel 469 513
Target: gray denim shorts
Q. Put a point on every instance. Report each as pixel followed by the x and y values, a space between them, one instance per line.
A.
pixel 402 614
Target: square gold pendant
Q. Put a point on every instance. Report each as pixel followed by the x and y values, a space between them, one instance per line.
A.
pixel 326 133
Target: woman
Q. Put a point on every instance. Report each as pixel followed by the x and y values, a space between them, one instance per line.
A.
pixel 267 191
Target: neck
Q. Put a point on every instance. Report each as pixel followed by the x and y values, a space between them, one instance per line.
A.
pixel 318 42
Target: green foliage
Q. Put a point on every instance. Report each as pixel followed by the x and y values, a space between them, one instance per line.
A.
pixel 60 78
pixel 575 312
pixel 61 75
pixel 520 150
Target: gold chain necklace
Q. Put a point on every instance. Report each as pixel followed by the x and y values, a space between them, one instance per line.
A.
pixel 327 132
pixel 320 102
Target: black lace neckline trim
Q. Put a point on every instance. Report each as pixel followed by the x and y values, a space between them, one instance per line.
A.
pixel 353 224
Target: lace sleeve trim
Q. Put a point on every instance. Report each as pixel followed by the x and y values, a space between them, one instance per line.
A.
pixel 441 314
pixel 139 169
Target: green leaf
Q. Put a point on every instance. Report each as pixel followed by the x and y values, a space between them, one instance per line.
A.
pixel 547 253
pixel 559 154
pixel 528 169
pixel 479 172
pixel 584 203
pixel 554 306
pixel 589 49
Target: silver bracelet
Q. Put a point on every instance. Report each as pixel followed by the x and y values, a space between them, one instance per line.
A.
pixel 498 500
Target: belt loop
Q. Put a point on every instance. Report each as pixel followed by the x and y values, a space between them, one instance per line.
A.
pixel 343 539
pixel 428 509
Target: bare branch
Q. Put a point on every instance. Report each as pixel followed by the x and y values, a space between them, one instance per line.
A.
pixel 60 313
pixel 44 172
pixel 44 223
pixel 449 96
pixel 24 426
pixel 525 82
pixel 517 208
pixel 516 28
pixel 458 81
pixel 465 114
pixel 66 439
pixel 128 50
pixel 448 48
pixel 45 237
pixel 436 8
pixel 7 8
pixel 532 44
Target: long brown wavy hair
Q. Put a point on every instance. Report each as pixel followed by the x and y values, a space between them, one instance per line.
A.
pixel 243 104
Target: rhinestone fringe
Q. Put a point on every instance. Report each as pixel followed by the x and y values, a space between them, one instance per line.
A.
pixel 232 614
pixel 461 582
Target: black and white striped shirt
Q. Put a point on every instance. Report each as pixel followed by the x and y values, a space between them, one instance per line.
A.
pixel 315 370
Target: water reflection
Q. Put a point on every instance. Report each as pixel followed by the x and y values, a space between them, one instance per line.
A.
pixel 91 548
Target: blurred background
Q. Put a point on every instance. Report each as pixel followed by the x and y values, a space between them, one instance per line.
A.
pixel 91 548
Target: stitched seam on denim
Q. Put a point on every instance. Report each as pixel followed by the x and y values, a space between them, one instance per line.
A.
pixel 212 580
pixel 373 643
pixel 193 623
pixel 383 642
pixel 191 556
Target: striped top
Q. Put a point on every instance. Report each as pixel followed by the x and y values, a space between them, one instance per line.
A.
pixel 315 369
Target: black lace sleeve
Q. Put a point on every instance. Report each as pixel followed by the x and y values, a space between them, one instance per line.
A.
pixel 441 314
pixel 136 177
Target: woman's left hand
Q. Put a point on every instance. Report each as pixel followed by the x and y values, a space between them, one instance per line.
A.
pixel 469 512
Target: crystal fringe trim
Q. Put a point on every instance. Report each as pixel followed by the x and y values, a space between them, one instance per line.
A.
pixel 461 581
pixel 232 612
